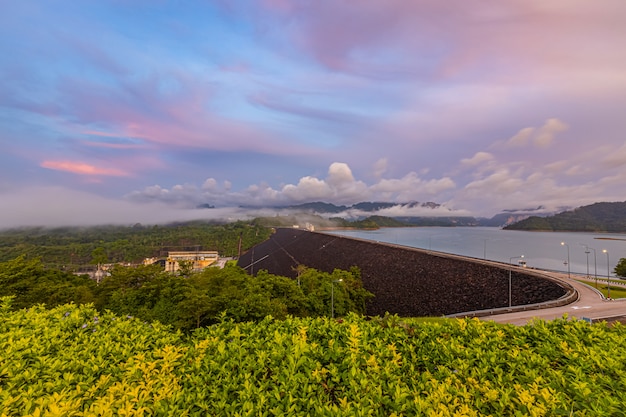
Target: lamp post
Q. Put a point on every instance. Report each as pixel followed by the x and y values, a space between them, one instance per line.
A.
pixel 510 268
pixel 568 269
pixel 587 252
pixel 608 276
pixel 595 263
pixel 332 297
pixel 595 266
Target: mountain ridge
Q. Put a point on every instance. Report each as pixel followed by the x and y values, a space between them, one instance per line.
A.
pixel 441 216
pixel 609 217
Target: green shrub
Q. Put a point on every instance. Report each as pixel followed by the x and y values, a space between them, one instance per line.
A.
pixel 73 361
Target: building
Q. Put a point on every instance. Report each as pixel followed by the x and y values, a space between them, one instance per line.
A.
pixel 200 259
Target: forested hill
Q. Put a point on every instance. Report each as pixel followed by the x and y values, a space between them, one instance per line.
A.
pixel 75 247
pixel 598 217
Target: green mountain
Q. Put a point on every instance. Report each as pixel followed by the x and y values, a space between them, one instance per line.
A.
pixel 598 217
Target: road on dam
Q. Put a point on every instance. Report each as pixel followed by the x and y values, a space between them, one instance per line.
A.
pixel 590 305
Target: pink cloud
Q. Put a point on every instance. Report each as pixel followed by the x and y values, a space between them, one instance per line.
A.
pixel 98 133
pixel 182 116
pixel 81 168
pixel 109 145
pixel 504 42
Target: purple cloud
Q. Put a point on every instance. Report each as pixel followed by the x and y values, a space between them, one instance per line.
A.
pixel 479 107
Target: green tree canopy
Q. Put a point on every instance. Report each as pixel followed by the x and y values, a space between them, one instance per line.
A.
pixel 620 268
pixel 31 283
pixel 202 298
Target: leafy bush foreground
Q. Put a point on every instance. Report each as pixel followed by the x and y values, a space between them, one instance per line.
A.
pixel 72 361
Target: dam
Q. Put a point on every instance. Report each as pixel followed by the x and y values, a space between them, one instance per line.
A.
pixel 406 281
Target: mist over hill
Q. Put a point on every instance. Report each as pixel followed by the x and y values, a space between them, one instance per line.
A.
pixel 597 217
pixel 407 214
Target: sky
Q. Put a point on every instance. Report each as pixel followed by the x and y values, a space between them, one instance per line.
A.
pixel 121 111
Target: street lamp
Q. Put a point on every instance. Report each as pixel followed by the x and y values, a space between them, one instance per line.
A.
pixel 510 268
pixel 332 297
pixel 568 269
pixel 587 253
pixel 595 263
pixel 595 266
pixel 608 276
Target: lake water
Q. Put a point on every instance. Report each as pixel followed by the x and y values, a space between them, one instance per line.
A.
pixel 541 250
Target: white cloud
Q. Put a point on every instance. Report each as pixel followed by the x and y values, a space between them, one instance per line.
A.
pixel 522 137
pixel 478 159
pixel 617 158
pixel 308 188
pixel 541 137
pixel 500 182
pixel 182 195
pixel 339 174
pixel 412 188
pixel 339 187
pixel 556 166
pixel 210 184
pixel 546 134
pixel 380 167
pixel 482 185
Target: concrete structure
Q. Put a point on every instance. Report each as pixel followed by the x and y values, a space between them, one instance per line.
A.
pixel 200 259
pixel 409 282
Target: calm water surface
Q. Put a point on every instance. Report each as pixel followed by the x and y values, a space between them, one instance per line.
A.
pixel 540 249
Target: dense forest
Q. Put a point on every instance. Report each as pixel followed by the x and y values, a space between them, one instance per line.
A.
pixel 598 217
pixel 42 266
pixel 71 248
pixel 186 301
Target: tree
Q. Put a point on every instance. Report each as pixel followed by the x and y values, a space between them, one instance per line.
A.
pixel 118 288
pixel 185 268
pixel 194 309
pixel 620 268
pixel 31 283
pixel 345 287
pixel 99 256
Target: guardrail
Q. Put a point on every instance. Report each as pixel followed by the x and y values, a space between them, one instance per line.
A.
pixel 569 297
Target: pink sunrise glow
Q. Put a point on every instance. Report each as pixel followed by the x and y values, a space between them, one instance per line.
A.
pixel 480 106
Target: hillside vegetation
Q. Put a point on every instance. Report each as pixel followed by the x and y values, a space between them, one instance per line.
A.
pixel 70 248
pixel 319 222
pixel 598 217
pixel 186 301
pixel 75 361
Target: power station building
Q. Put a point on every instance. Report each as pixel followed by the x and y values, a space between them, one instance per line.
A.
pixel 200 259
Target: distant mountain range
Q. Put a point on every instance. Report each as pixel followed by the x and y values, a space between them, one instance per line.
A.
pixel 404 213
pixel 325 208
pixel 598 217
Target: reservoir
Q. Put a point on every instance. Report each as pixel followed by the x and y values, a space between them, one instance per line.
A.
pixel 542 250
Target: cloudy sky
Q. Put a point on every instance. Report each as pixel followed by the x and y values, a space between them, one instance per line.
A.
pixel 137 110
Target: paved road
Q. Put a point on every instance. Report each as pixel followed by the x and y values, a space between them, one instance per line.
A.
pixel 590 305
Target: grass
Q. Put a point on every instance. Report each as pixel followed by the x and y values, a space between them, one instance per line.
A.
pixel 617 291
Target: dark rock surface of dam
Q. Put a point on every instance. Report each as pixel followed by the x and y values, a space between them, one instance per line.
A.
pixel 405 281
